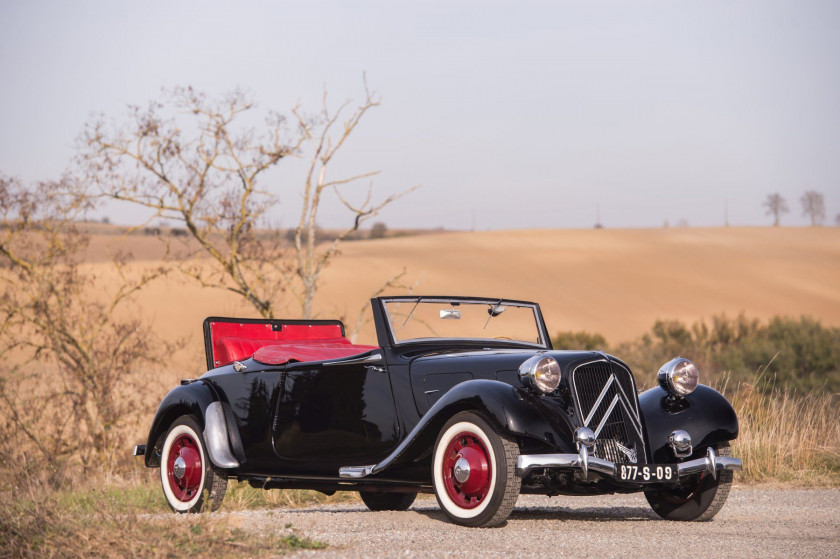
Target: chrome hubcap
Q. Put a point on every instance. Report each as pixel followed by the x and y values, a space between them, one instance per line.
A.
pixel 462 470
pixel 179 468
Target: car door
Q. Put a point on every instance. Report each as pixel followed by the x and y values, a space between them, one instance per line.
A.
pixel 334 414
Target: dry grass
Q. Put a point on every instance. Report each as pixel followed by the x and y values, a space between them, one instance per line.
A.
pixel 787 437
pixel 241 496
pixel 36 520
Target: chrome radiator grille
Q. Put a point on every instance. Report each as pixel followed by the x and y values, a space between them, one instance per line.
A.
pixel 605 396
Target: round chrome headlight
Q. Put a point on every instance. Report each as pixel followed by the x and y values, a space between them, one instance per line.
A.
pixel 541 372
pixel 679 376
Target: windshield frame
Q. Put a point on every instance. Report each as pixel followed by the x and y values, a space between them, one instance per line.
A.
pixel 545 341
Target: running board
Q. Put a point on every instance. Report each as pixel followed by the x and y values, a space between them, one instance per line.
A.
pixel 355 471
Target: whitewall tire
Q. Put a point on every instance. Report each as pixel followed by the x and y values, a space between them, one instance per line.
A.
pixel 473 472
pixel 189 480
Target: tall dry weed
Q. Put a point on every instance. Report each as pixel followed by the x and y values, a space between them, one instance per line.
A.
pixel 784 435
pixel 37 521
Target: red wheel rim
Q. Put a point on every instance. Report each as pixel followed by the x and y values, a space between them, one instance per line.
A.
pixel 184 467
pixel 471 489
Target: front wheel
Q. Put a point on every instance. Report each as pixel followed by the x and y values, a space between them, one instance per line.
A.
pixel 700 499
pixel 474 472
pixel 387 501
pixel 190 482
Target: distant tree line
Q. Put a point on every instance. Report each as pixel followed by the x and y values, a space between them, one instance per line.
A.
pixel 813 207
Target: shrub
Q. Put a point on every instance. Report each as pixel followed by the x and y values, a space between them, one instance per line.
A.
pixel 378 231
pixel 579 340
pixel 800 354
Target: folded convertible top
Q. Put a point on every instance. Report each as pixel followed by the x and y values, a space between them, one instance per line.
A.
pixel 288 353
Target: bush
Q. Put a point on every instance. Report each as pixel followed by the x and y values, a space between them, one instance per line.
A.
pixel 800 354
pixel 579 340
pixel 379 230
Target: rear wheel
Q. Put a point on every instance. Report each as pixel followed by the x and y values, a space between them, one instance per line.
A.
pixel 699 500
pixel 473 472
pixel 387 501
pixel 190 482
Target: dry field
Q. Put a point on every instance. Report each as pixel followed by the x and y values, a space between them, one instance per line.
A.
pixel 615 282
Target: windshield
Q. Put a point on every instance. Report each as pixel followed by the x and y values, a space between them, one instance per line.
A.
pixel 426 318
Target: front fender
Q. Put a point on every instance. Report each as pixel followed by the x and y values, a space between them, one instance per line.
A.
pixel 509 409
pixel 705 414
pixel 199 400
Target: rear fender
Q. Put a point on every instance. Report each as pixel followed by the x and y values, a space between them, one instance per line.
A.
pixel 199 400
pixel 705 414
pixel 509 409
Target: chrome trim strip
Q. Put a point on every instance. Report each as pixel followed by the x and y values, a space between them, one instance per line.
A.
pixel 374 358
pixel 216 437
pixel 633 378
pixel 598 401
pixel 607 415
pixel 636 425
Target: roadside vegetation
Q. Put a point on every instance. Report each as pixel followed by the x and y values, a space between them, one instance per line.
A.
pixel 797 354
pixel 120 518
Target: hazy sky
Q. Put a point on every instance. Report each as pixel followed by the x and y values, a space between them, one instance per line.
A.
pixel 524 114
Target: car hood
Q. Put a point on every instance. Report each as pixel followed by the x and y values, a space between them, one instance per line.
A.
pixel 435 372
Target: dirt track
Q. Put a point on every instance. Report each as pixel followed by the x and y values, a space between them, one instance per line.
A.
pixel 755 522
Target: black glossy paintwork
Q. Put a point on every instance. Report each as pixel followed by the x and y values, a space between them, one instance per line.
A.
pixel 705 414
pixel 512 410
pixel 187 399
pixel 328 417
pixel 303 421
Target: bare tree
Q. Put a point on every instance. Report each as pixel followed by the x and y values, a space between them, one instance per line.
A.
pixel 776 206
pixel 813 206
pixel 194 160
pixel 325 141
pixel 75 356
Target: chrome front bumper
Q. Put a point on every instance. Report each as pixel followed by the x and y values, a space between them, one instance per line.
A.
pixel 582 461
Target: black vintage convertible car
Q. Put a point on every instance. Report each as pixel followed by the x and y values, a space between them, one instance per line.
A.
pixel 463 397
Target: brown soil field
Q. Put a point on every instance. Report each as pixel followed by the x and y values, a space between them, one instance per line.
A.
pixel 615 282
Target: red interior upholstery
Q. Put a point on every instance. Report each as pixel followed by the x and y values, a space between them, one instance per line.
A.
pixel 233 341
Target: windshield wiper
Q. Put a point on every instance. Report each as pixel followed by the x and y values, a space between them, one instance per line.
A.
pixel 412 312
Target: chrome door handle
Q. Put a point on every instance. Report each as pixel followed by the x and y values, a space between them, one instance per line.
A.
pixel 375 369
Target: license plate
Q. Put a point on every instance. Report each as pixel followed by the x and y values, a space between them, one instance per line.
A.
pixel 646 473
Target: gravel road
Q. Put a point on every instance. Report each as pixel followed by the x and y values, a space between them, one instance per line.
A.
pixel 755 522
